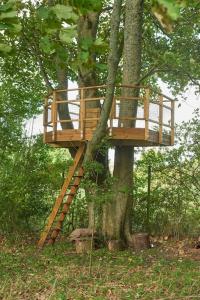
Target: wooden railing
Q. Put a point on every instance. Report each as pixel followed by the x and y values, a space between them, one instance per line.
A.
pixel 155 111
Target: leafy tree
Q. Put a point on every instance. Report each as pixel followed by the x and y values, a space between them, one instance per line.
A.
pixel 175 194
pixel 58 41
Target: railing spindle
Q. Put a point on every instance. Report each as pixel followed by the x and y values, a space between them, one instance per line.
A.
pixel 82 113
pixel 54 116
pixel 160 119
pixel 45 118
pixel 146 112
pixel 172 121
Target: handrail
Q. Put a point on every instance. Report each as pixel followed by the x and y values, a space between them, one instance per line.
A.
pixel 86 120
pixel 117 86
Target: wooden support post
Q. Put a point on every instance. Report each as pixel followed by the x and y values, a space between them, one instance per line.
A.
pixel 45 118
pixel 54 116
pixel 82 114
pixel 146 112
pixel 172 121
pixel 160 119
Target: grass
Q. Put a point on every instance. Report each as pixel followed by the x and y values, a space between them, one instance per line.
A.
pixel 58 273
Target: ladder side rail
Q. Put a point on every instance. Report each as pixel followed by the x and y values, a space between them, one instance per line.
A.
pixel 59 199
pixel 66 207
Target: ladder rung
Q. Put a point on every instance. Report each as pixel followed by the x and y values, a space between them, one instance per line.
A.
pixel 74 184
pixel 70 194
pixel 57 229
pixel 79 176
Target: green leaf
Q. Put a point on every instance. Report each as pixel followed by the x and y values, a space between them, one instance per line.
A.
pixel 6 26
pixel 8 15
pixel 17 27
pixel 43 12
pixel 64 12
pixel 99 42
pixel 66 35
pixel 7 6
pixel 5 48
pixel 86 43
pixel 173 9
pixel 101 67
pixel 84 56
pixel 46 45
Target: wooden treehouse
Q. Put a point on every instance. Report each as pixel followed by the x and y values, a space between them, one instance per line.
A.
pixel 71 116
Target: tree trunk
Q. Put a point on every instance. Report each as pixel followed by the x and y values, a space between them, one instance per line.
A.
pixel 117 214
pixel 87 30
pixel 100 131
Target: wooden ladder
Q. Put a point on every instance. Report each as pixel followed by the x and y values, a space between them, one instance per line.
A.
pixel 69 189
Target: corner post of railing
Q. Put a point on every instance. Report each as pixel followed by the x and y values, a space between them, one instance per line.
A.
pixel 54 116
pixel 112 114
pixel 45 118
pixel 172 121
pixel 82 113
pixel 160 119
pixel 146 112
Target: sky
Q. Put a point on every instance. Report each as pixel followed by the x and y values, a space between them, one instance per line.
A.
pixel 183 109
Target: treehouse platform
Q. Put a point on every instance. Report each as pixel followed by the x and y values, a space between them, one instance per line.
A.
pixel 139 116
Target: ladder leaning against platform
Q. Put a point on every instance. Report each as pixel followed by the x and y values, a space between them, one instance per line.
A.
pixel 61 208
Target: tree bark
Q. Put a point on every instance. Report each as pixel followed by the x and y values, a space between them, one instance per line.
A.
pixel 117 213
pixel 88 28
pixel 113 61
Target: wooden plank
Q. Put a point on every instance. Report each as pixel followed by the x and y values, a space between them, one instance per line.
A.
pixel 68 120
pixel 128 133
pixel 69 135
pixel 84 88
pixel 129 118
pixel 71 102
pixel 92 117
pixel 59 199
pixel 127 98
pixel 93 99
pixel 68 101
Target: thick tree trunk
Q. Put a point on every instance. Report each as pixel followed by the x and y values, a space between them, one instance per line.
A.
pixel 117 213
pixel 113 61
pixel 87 30
pixel 99 133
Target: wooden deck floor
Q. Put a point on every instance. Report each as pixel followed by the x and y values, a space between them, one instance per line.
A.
pixel 118 136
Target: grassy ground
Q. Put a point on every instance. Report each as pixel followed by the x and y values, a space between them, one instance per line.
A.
pixel 58 273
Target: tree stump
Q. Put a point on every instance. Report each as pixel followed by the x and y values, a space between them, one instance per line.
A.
pixel 81 233
pixel 83 245
pixel 115 245
pixel 140 241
